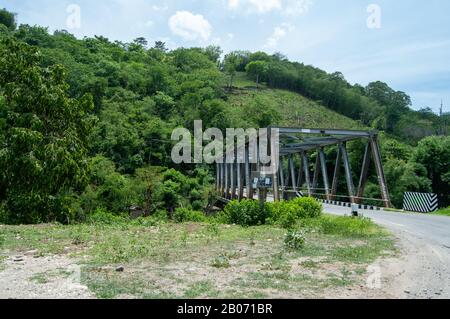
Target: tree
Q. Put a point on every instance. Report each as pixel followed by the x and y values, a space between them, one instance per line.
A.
pixel 213 52
pixel 160 45
pixel 139 44
pixel 395 103
pixel 404 177
pixel 8 19
pixel 230 64
pixel 44 137
pixel 434 154
pixel 141 41
pixel 259 56
pixel 257 70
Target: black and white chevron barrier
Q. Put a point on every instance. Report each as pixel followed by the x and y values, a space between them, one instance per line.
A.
pixel 420 202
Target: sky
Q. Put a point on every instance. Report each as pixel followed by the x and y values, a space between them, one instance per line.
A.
pixel 405 43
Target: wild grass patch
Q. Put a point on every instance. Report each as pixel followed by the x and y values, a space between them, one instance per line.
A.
pixel 443 212
pixel 250 262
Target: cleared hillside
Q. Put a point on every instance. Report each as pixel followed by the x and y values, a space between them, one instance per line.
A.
pixel 291 109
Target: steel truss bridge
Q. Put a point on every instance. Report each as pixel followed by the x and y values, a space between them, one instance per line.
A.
pixel 294 177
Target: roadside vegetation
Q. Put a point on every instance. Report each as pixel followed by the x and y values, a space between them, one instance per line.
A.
pixel 85 124
pixel 205 257
pixel 443 212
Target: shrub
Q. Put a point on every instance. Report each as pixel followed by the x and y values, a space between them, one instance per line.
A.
pixel 103 217
pixel 295 240
pixel 161 215
pixel 183 215
pixel 244 213
pixel 287 214
pixel 310 208
pixel 284 214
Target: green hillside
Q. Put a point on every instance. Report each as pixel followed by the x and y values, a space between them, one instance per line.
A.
pixel 293 110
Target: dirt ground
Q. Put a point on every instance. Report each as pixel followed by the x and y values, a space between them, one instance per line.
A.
pixel 22 278
pixel 57 277
pixel 200 261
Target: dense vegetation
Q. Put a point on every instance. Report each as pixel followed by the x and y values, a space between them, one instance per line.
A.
pixel 85 124
pixel 376 105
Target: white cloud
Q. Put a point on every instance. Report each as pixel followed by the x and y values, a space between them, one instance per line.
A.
pixel 263 6
pixel 278 34
pixel 233 4
pixel 297 7
pixel 287 7
pixel 189 26
pixel 160 8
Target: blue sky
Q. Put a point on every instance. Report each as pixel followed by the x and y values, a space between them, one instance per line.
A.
pixel 407 45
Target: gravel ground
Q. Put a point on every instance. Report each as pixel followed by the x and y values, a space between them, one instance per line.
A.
pixel 421 272
pixel 53 277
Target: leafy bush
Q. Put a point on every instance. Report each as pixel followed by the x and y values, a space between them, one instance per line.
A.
pixel 287 214
pixel 308 207
pixel 183 215
pixel 244 213
pixel 178 190
pixel 109 189
pixel 103 217
pixel 295 240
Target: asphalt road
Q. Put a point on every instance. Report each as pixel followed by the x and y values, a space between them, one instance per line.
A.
pixel 435 229
pixel 423 271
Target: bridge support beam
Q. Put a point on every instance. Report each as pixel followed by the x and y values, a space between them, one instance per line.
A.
pixel 248 174
pixel 292 172
pixel 274 161
pixel 323 164
pixel 233 181
pixel 240 177
pixel 337 173
pixel 300 173
pixel 316 174
pixel 364 173
pixel 306 172
pixel 348 172
pixel 380 171
pixel 227 181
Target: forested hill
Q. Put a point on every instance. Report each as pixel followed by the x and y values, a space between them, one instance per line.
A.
pixel 105 69
pixel 141 92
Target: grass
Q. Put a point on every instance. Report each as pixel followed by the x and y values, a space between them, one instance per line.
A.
pixel 201 289
pixel 46 277
pixel 242 81
pixel 294 109
pixel 205 260
pixel 443 212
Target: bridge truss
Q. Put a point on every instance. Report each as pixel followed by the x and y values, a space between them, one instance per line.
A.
pixel 295 178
